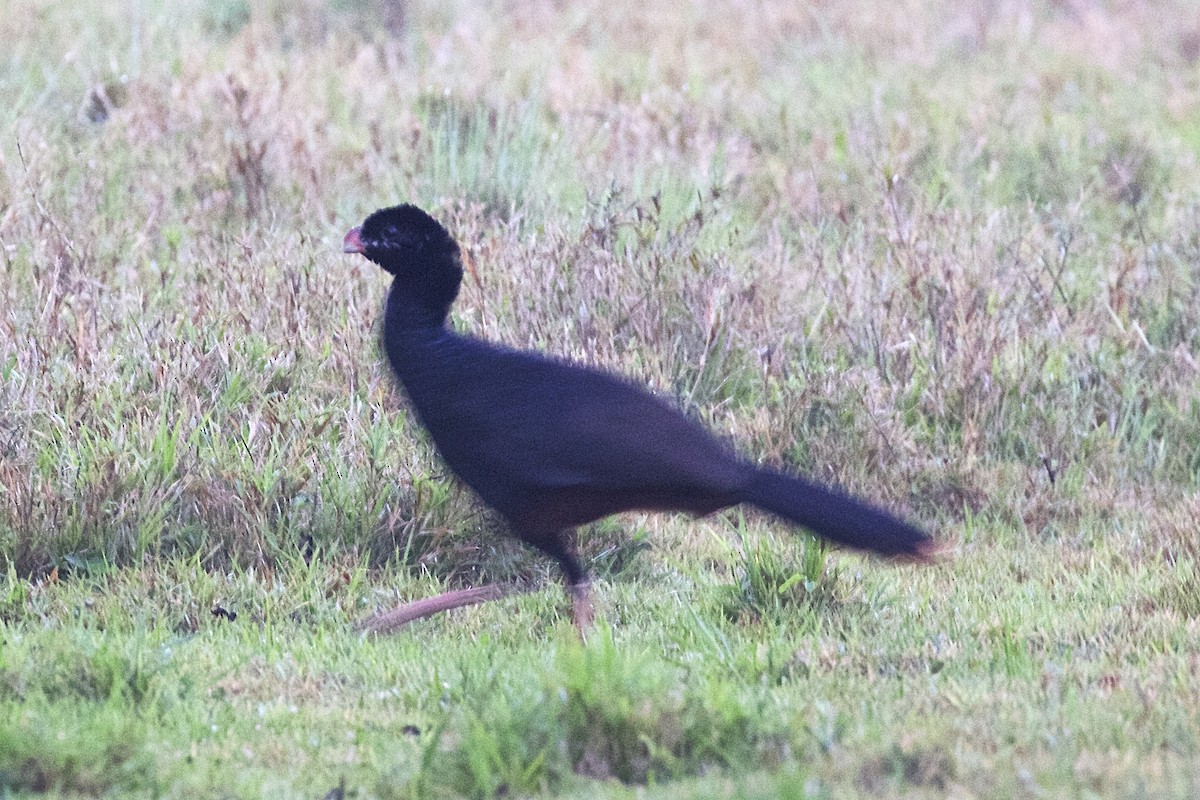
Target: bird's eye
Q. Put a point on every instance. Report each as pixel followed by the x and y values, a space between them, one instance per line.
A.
pixel 391 232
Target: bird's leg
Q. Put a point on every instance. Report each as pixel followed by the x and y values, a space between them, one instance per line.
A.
pixel 401 615
pixel 582 610
pixel 560 545
pixel 565 548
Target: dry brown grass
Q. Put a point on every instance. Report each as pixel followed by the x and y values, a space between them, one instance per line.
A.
pixel 944 254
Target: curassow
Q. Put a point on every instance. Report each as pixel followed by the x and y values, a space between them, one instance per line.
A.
pixel 551 445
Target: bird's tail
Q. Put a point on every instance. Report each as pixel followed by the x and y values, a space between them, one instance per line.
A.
pixel 836 516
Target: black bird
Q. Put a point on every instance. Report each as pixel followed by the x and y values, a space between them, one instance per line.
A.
pixel 551 445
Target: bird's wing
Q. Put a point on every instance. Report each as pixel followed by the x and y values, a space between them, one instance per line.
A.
pixel 541 423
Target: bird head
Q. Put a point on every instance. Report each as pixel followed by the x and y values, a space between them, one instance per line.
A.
pixel 414 247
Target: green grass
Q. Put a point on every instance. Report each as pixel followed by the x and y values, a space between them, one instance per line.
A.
pixel 943 254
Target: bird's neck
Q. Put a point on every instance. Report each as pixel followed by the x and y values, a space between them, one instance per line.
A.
pixel 410 315
pixel 415 337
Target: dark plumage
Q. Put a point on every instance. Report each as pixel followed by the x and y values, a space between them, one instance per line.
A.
pixel 551 445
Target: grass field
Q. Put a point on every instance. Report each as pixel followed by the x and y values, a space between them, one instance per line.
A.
pixel 945 254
